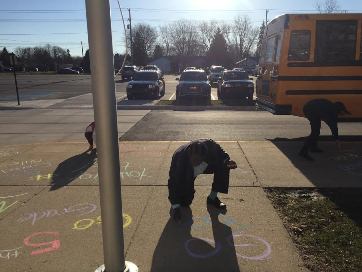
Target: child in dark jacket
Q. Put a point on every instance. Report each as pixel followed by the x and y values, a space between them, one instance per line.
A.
pixel 202 156
pixel 89 131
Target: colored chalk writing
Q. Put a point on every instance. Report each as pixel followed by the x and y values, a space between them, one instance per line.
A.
pixel 86 223
pixel 5 199
pixel 45 247
pixel 78 209
pixel 9 253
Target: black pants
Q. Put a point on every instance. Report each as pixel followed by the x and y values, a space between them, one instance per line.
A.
pixel 312 140
pixel 89 137
pixel 220 184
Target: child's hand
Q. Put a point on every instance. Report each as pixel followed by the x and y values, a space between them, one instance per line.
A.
pixel 231 165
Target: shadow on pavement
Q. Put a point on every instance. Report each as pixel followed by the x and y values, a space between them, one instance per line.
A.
pixel 336 174
pixel 237 102
pixel 72 168
pixel 178 250
pixel 135 102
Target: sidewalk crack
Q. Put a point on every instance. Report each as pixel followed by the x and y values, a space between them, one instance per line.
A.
pixel 257 182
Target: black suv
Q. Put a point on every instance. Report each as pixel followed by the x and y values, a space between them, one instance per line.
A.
pixel 235 84
pixel 146 83
pixel 128 72
pixel 193 83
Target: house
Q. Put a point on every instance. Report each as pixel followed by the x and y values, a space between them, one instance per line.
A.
pixel 248 64
pixel 177 64
pixel 164 63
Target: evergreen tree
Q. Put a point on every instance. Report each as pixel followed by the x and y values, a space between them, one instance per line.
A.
pixel 260 41
pixel 139 50
pixel 5 57
pixel 86 62
pixel 158 52
pixel 218 52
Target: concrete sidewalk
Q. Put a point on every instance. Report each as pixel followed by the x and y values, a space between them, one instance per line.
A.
pixel 50 213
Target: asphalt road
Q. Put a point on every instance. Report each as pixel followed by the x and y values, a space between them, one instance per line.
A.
pixel 56 86
pixel 66 119
pixel 226 126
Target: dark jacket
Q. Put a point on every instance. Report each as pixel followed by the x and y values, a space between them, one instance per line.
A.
pixel 323 110
pixel 181 175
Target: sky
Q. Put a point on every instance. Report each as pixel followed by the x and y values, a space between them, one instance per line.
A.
pixel 29 23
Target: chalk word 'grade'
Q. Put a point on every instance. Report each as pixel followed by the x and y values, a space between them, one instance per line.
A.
pixel 78 209
pixel 86 223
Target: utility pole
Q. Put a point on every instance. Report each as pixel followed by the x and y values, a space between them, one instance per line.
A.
pixel 105 116
pixel 81 44
pixel 13 63
pixel 130 33
pixel 266 17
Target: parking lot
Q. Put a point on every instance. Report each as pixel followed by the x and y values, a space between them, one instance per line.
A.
pixel 54 86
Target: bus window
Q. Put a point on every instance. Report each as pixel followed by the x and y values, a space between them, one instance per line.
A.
pixel 272 49
pixel 299 45
pixel 336 42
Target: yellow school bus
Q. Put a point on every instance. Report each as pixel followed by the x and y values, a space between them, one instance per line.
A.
pixel 311 56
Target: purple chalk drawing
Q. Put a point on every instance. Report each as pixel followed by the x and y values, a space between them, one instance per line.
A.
pixel 199 255
pixel 264 255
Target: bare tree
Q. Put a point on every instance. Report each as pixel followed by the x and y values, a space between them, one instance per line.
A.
pixel 244 36
pixel 165 39
pixel 185 38
pixel 207 31
pixel 328 6
pixel 148 35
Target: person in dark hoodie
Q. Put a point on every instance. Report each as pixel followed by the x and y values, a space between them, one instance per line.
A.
pixel 316 111
pixel 202 156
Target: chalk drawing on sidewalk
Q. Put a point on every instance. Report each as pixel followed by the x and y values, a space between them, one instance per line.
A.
pixel 39 247
pixel 127 171
pixel 78 209
pixel 4 201
pixel 247 246
pixel 51 245
pixel 86 223
pixel 24 167
pixel 8 152
pixel 250 241
pixel 9 253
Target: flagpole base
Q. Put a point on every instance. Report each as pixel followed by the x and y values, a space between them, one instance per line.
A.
pixel 130 267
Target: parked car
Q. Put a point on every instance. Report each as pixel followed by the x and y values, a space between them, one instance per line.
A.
pixel 235 84
pixel 68 71
pixel 146 84
pixel 193 84
pixel 215 74
pixel 78 68
pixel 128 72
pixel 152 68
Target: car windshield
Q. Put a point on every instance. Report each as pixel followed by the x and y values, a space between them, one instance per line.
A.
pixel 193 76
pixel 217 70
pixel 145 76
pixel 236 75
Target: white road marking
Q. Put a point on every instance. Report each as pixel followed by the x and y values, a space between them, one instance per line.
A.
pixel 172 96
